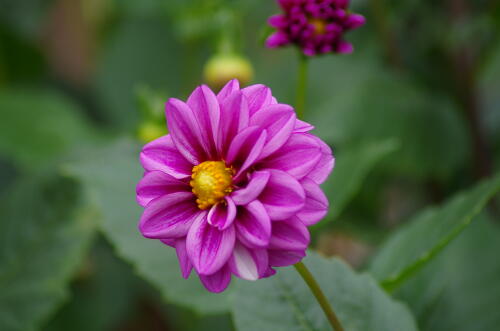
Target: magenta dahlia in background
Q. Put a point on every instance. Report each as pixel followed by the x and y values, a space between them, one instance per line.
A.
pixel 234 185
pixel 316 26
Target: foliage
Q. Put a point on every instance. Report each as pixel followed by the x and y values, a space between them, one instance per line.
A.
pixel 428 233
pixel 43 241
pixel 284 302
pixel 411 116
pixel 51 125
pixel 450 292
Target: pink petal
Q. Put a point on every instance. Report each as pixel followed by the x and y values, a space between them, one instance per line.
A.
pixel 253 189
pixel 185 131
pixel 234 118
pixel 222 215
pixel 155 184
pixel 169 216
pixel 297 157
pixel 325 165
pixel 283 195
pixel 161 154
pixel 278 120
pixel 169 242
pixel 301 126
pixel 309 51
pixel 249 264
pixel 269 272
pixel 316 205
pixel 208 247
pixel 206 110
pixel 184 262
pixel 280 258
pixel 218 281
pixel 258 96
pixel 253 225
pixel 232 86
pixel 344 47
pixel 278 21
pixel 245 148
pixel 277 39
pixel 291 234
pixel 354 21
pixel 286 4
pixel 342 3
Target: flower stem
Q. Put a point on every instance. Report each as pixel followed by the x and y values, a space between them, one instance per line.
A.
pixel 320 297
pixel 301 85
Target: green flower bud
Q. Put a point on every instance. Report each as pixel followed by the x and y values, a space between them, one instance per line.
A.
pixel 221 68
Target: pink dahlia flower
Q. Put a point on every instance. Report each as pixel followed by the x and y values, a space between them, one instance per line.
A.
pixel 234 185
pixel 316 26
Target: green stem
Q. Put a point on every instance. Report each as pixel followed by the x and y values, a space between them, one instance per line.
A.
pixel 320 297
pixel 301 85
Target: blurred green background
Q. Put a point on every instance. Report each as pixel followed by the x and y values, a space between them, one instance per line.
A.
pixel 413 117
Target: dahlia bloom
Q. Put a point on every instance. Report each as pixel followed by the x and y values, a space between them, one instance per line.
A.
pixel 234 184
pixel 316 26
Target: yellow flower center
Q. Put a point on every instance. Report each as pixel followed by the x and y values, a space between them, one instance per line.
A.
pixel 319 25
pixel 211 181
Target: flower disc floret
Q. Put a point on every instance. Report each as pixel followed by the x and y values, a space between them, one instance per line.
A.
pixel 211 182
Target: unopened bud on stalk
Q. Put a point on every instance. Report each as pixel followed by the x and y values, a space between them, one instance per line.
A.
pixel 221 68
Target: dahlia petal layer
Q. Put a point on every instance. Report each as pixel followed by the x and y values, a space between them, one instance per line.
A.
pixel 161 154
pixel 169 216
pixel 208 247
pixel 155 184
pixel 234 184
pixel 248 263
pixel 222 214
pixel 283 195
pixel 316 204
pixel 253 225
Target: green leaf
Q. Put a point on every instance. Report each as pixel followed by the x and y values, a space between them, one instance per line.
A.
pixel 351 168
pixel 110 177
pixel 419 241
pixel 42 243
pixel 38 126
pixel 105 293
pixel 460 289
pixel 367 104
pixel 284 303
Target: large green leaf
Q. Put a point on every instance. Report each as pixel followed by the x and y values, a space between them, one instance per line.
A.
pixel 37 126
pixel 108 296
pixel 351 168
pixel 109 177
pixel 105 293
pixel 284 303
pixel 416 243
pixel 42 242
pixel 460 289
pixel 364 103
